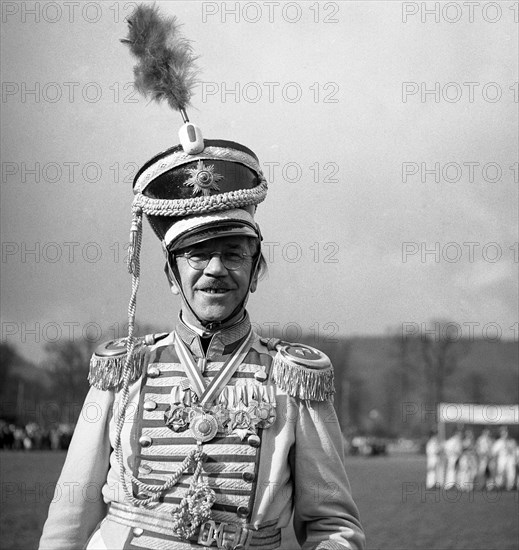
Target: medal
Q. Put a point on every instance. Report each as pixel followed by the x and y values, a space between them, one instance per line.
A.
pixel 241 411
pixel 204 426
pixel 265 415
pixel 176 418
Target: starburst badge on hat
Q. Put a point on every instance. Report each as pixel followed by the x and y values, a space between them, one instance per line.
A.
pixel 203 179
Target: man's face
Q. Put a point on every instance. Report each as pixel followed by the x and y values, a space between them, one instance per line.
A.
pixel 215 291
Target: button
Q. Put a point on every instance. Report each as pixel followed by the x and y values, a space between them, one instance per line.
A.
pixel 138 531
pixel 242 511
pixel 248 476
pixel 149 405
pixel 153 372
pixel 254 441
pixel 145 440
pixel 260 375
pixel 145 469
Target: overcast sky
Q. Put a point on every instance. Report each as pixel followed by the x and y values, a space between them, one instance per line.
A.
pixel 388 135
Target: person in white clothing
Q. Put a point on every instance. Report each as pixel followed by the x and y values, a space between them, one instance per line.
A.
pixel 453 448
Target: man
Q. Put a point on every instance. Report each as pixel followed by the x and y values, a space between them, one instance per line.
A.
pixel 434 453
pixel 453 448
pixel 484 454
pixel 504 453
pixel 208 435
pixel 467 466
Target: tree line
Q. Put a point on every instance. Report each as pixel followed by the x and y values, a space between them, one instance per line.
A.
pixel 398 399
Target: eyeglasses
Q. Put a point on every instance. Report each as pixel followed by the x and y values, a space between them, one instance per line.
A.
pixel 200 260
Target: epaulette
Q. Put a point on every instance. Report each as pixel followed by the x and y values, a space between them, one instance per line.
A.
pixel 301 371
pixel 107 362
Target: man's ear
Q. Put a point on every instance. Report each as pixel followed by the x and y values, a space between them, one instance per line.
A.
pixel 174 288
pixel 172 283
pixel 254 282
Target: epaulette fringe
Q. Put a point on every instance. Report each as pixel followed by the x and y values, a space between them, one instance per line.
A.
pixel 107 372
pixel 303 382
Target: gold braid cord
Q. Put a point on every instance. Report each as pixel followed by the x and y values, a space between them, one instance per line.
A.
pixel 197 205
pixel 180 158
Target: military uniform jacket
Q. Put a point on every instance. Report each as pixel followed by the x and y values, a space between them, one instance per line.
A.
pixel 294 464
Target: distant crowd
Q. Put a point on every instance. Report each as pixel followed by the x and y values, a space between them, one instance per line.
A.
pixel 34 437
pixel 466 463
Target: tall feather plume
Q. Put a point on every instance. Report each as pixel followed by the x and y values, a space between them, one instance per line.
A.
pixel 166 68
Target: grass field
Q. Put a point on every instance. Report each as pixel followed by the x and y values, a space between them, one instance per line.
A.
pixel 396 510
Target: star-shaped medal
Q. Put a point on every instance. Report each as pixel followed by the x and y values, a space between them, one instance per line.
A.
pixel 240 424
pixel 203 179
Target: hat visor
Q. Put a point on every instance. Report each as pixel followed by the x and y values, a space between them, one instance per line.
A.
pixel 196 229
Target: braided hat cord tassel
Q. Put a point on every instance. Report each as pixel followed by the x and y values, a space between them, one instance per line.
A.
pixel 134 269
pixel 195 508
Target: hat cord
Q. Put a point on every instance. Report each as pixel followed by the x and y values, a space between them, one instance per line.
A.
pixel 195 457
pixel 213 203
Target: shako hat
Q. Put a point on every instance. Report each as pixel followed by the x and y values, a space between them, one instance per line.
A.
pixel 191 197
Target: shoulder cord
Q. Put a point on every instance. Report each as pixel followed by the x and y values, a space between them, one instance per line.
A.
pixel 195 456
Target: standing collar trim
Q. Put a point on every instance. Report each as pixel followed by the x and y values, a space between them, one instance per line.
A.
pixel 222 342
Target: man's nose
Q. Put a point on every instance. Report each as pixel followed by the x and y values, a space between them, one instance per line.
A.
pixel 215 266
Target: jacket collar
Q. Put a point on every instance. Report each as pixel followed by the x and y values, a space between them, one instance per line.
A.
pixel 223 342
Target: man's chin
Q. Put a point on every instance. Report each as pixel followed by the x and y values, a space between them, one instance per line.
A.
pixel 214 308
pixel 215 314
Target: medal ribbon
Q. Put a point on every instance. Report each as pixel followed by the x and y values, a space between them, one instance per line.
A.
pixel 207 394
